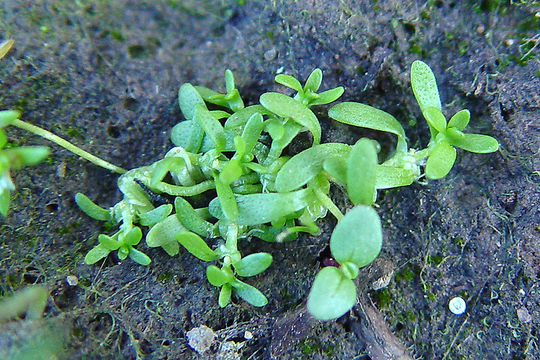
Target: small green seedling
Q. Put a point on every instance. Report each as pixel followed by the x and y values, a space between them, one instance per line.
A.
pixel 229 177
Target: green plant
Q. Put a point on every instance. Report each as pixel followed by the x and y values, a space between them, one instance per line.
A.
pixel 229 178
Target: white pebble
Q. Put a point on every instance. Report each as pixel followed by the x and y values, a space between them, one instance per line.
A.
pixel 457 305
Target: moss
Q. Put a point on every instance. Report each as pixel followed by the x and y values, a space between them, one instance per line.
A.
pixel 382 298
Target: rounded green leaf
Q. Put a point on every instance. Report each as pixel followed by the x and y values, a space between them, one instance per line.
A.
pixel 313 81
pixel 217 276
pixel 249 293
pixel 96 254
pixel 27 155
pixel 362 115
pixel 361 172
pixel 477 143
pixel 132 237
pixel 289 82
pixel 188 99
pixel 424 86
pixel 256 209
pixel 331 295
pixel 152 217
pixel 187 134
pixel 139 257
pixel 390 177
pixel 440 161
pixel 8 116
pixel 253 264
pixel 328 96
pixel 91 209
pixel 226 200
pixel 460 120
pixel 435 118
pixel 303 167
pixel 286 106
pixel 357 238
pixel 108 242
pixel 225 295
pixel 211 126
pixel 196 246
pixel 191 219
pixel 4 201
pixel 163 234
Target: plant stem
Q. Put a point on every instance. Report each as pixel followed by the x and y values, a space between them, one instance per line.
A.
pixel 67 145
pixel 328 203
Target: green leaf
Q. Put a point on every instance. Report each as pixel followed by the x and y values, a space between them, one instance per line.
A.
pixel 217 276
pixel 250 294
pixel 328 96
pixel 4 201
pixel 229 80
pixel 440 161
pixel 163 234
pixel 187 134
pixel 139 257
pixel 225 295
pixel 331 295
pixel 132 237
pixel 357 238
pixel 108 242
pixel 208 143
pixel 91 209
pixel 191 219
pixel 287 107
pixel 303 167
pixel 96 254
pixel 152 217
pixel 196 246
pixel 161 168
pixel 435 119
pixel 337 168
pixel 240 117
pixel 256 209
pixel 26 155
pixel 7 117
pixel 189 99
pixel 289 82
pixel 390 177
pixel 231 171
pixel 253 264
pixel 460 120
pixel 477 143
pixel 313 81
pixel 252 131
pixel 211 126
pixel 226 200
pixel 361 172
pixel 424 86
pixel 361 115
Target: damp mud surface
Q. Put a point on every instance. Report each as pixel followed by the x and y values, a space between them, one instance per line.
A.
pixel 105 76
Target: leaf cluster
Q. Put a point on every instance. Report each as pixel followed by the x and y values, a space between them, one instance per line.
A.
pixel 229 177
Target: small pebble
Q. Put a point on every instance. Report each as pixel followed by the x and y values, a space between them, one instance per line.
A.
pixel 270 54
pixel 201 338
pixel 523 315
pixel 72 280
pixel 457 305
pixel 248 335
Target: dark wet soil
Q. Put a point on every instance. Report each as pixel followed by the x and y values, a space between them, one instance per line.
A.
pixel 104 74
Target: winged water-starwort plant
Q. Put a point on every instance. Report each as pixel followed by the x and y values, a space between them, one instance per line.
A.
pixel 229 177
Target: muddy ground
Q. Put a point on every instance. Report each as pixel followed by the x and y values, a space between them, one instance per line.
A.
pixel 104 74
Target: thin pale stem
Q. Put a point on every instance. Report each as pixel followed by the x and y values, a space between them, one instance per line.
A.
pixel 67 145
pixel 328 203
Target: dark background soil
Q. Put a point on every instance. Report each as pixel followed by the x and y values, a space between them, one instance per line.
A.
pixel 104 74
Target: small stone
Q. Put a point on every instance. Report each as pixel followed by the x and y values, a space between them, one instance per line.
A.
pixel 201 338
pixel 457 305
pixel 523 315
pixel 270 54
pixel 480 29
pixel 72 280
pixel 248 335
